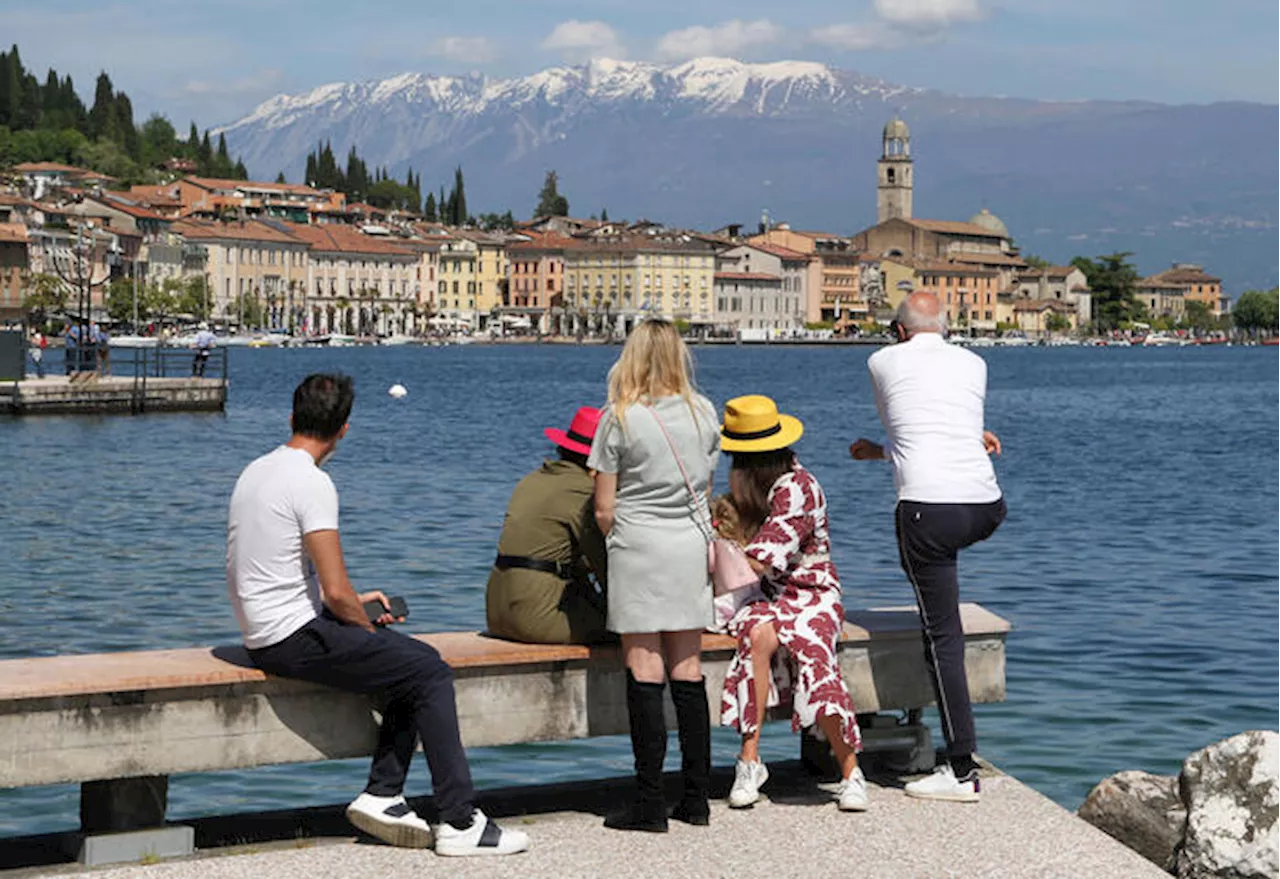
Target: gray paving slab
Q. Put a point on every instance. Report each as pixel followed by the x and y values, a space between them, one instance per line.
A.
pixel 1013 833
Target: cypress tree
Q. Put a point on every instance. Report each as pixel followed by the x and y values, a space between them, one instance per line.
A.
pixel 29 107
pixel 71 102
pixel 125 128
pixel 460 206
pixel 204 157
pixel 240 172
pixel 10 88
pixel 429 209
pixel 102 116
pixel 309 175
pixel 280 178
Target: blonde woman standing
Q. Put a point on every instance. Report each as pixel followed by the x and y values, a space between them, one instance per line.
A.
pixel 655 454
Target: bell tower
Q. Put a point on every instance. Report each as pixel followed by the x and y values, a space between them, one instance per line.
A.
pixel 894 187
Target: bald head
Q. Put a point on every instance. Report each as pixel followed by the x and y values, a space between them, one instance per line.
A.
pixel 921 312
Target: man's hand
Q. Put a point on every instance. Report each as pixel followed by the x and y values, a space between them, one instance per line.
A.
pixel 991 443
pixel 378 595
pixel 865 450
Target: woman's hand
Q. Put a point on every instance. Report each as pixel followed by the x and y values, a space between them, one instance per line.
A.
pixel 865 450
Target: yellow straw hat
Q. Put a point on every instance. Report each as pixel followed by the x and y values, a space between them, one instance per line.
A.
pixel 753 424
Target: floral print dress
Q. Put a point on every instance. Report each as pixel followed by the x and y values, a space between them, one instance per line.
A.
pixel 806 613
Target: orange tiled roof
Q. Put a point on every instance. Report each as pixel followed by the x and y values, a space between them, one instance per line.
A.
pixel 131 208
pixel 37 167
pixel 1183 277
pixel 212 183
pixel 250 230
pixel 14 233
pixel 338 238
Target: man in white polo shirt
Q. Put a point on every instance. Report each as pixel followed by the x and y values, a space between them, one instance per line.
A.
pixel 302 619
pixel 931 395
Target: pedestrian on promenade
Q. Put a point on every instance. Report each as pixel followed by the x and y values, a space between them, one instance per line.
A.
pixel 931 398
pixel 540 589
pixel 204 343
pixel 655 454
pixel 301 618
pixel 71 347
pixel 38 344
pixel 786 643
pixel 102 347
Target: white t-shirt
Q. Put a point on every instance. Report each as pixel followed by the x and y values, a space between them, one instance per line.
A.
pixel 273 586
pixel 930 395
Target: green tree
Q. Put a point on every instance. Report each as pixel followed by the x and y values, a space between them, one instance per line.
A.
pixel 159 140
pixel 1198 316
pixel 191 296
pixel 1257 310
pixel 1057 323
pixel 1036 262
pixel 102 116
pixel 460 214
pixel 550 202
pixel 1111 282
pixel 45 294
pixel 429 209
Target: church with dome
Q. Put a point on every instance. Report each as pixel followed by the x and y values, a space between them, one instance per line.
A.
pixel 973 266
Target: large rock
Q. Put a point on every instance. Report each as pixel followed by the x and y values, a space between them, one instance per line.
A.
pixel 1230 791
pixel 1141 810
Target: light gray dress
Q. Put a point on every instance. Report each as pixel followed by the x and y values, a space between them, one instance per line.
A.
pixel 657 552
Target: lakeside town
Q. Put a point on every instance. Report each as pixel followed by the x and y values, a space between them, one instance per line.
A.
pixel 288 263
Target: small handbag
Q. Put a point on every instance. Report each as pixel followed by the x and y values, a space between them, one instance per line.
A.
pixel 734 582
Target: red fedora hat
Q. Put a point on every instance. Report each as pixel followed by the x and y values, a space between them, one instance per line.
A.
pixel 582 430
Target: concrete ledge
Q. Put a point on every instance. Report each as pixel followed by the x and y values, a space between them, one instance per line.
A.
pixel 174 841
pixel 58 395
pixel 112 716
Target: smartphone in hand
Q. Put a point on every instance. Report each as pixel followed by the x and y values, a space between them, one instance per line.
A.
pixel 374 608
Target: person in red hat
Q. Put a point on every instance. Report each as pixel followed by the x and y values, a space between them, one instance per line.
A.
pixel 541 588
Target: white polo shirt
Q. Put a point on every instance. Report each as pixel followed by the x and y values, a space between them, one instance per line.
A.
pixel 273 586
pixel 930 395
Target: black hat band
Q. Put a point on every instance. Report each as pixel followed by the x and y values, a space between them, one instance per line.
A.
pixel 752 435
pixel 577 437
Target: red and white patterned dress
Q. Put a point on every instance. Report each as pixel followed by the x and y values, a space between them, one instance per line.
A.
pixel 806 613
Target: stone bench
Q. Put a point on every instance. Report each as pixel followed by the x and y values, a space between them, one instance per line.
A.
pixel 118 723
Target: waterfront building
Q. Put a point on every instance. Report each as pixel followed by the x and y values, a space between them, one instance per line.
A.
pixel 1060 283
pixel 76 252
pixel 831 284
pixel 967 292
pixel 1193 281
pixel 249 262
pixel 490 273
pixel 355 283
pixel 535 287
pixel 163 199
pixel 614 281
pixel 753 292
pixel 1162 298
pixel 1038 318
pixel 13 269
pixel 456 283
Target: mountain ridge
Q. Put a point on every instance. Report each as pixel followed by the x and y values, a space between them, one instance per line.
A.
pixel 714 140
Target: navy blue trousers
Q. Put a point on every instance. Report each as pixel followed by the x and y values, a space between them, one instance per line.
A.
pixel 415 687
pixel 929 537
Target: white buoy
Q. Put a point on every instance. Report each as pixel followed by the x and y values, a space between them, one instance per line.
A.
pixel 398 391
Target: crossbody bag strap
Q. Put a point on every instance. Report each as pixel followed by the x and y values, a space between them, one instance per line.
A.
pixel 698 502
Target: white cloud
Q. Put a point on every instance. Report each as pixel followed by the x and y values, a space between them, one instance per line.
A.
pixel 927 14
pixel 898 24
pixel 730 38
pixel 583 40
pixel 470 50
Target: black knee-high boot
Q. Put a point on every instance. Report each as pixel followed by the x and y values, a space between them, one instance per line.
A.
pixel 694 720
pixel 649 744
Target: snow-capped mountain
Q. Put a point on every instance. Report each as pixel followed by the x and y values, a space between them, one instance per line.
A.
pixel 714 140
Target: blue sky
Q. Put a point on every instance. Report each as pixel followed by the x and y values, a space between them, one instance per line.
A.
pixel 215 60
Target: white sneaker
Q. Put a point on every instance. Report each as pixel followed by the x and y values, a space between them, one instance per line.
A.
pixel 943 785
pixel 853 793
pixel 390 819
pixel 483 837
pixel 747 780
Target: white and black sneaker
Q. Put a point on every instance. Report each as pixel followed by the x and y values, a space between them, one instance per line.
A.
pixel 943 785
pixel 482 837
pixel 390 819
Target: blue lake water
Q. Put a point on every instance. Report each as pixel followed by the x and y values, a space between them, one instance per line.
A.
pixel 1138 564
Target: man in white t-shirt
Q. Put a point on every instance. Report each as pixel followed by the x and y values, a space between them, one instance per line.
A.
pixel 302 619
pixel 931 397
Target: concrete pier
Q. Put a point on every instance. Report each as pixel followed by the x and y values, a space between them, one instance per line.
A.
pixel 1012 833
pixel 112 395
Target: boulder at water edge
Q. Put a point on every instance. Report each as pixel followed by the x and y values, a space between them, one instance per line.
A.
pixel 1230 791
pixel 1141 810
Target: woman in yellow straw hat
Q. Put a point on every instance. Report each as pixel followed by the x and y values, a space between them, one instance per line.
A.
pixel 783 513
pixel 655 452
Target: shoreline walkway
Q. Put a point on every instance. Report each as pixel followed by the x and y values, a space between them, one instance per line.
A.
pixel 1013 832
